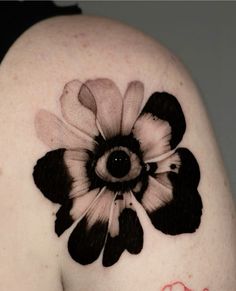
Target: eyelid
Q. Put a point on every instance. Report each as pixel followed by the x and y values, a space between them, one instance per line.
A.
pixel 102 172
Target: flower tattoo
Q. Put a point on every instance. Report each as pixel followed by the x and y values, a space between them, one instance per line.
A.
pixel 111 153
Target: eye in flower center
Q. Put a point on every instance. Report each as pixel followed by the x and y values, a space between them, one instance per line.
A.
pixel 118 163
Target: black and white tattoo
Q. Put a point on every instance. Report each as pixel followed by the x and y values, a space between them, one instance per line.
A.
pixel 111 151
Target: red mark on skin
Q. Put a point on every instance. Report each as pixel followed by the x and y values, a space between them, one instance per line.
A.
pixel 178 286
pixel 175 285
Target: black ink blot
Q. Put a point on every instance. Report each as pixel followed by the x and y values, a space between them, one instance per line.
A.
pixel 51 176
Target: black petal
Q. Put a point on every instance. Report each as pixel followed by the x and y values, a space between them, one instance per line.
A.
pixel 130 237
pixel 132 231
pixel 166 107
pixel 113 249
pixel 64 220
pixel 85 244
pixel 51 176
pixel 183 213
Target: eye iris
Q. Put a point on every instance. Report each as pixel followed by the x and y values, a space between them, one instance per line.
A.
pixel 118 164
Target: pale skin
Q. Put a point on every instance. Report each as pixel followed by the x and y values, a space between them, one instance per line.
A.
pixel 32 77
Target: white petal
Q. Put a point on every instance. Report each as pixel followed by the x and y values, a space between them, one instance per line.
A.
pixel 170 164
pixel 100 210
pixel 132 106
pixel 164 180
pixel 81 204
pixel 74 112
pixel 154 135
pixel 114 222
pixel 118 207
pixel 156 195
pixel 75 161
pixel 55 134
pixel 95 205
pixel 161 157
pixel 108 110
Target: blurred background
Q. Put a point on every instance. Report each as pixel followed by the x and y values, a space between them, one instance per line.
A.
pixel 202 34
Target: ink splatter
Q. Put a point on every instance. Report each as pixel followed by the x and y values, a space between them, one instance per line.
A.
pixel 110 151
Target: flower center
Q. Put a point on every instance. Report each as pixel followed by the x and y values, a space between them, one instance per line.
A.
pixel 118 164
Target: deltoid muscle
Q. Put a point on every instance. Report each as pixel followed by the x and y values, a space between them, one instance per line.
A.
pixel 110 152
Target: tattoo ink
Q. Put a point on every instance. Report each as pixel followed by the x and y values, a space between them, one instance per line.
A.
pixel 109 151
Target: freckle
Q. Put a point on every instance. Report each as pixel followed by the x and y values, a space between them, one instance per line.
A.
pixel 53 213
pixel 85 45
pixel 181 83
pixel 190 276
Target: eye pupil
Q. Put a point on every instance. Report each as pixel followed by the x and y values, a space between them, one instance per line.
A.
pixel 118 164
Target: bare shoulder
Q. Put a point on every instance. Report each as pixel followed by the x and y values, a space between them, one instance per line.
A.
pixel 111 178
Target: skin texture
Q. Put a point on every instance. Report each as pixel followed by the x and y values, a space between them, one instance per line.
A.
pixel 32 77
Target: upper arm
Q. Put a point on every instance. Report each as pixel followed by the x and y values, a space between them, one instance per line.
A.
pixel 73 90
